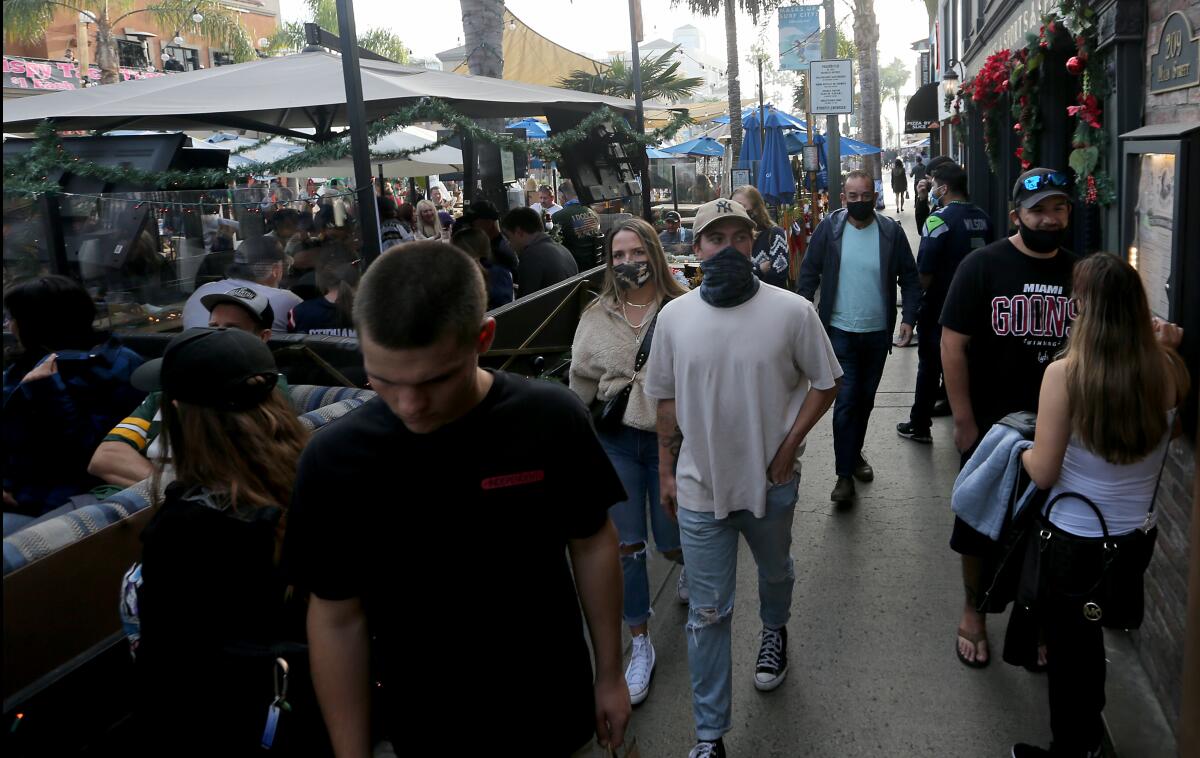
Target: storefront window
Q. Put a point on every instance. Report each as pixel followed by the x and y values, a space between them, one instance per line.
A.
pixel 132 53
pixel 1153 226
pixel 188 57
pixel 222 59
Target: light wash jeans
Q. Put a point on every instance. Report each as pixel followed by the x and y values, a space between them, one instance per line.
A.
pixel 711 547
pixel 634 454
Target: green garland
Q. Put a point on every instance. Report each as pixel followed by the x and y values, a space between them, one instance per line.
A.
pixel 29 173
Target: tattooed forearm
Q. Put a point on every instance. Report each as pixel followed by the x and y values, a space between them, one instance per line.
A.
pixel 670 437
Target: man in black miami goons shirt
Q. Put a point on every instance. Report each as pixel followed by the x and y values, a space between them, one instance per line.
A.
pixel 436 521
pixel 1007 315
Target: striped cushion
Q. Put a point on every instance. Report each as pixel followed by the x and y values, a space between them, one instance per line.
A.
pixel 317 406
pixel 43 538
pixel 310 397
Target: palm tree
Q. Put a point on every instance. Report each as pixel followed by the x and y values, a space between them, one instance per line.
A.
pixel 866 40
pixel 729 9
pixel 660 79
pixel 290 36
pixel 27 21
pixel 483 32
pixel 891 79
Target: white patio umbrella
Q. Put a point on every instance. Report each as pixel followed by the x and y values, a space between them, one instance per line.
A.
pixel 440 160
pixel 285 94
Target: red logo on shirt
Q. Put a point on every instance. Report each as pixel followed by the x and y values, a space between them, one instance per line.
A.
pixel 512 480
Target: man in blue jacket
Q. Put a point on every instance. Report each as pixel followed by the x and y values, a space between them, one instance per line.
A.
pixel 856 257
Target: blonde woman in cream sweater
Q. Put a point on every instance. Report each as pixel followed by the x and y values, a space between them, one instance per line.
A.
pixel 637 282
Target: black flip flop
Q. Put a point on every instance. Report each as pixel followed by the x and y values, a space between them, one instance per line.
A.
pixel 974 639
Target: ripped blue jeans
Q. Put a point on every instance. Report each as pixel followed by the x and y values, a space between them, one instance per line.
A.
pixel 710 547
pixel 634 454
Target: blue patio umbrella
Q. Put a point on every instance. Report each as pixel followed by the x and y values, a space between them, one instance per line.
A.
pixel 751 147
pixel 775 180
pixel 534 129
pixel 704 147
pixel 854 147
pixel 653 153
pixel 787 118
pixel 796 141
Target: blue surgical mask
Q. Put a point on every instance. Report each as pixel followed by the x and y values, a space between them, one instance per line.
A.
pixel 935 200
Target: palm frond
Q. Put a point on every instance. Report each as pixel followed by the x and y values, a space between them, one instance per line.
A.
pixel 221 26
pixel 27 20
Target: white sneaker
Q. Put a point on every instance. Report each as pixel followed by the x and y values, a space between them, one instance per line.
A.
pixel 681 586
pixel 640 669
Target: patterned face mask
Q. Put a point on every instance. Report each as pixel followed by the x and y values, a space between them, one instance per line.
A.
pixel 630 276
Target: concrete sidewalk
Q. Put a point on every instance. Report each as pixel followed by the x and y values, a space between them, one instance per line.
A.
pixel 871 640
pixel 873 670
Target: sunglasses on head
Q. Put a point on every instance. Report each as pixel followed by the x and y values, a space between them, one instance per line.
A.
pixel 1041 181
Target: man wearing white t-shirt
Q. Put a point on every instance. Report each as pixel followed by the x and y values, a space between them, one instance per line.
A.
pixel 546 207
pixel 736 402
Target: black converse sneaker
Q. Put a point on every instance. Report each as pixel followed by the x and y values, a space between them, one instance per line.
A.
pixel 910 432
pixel 772 664
pixel 708 749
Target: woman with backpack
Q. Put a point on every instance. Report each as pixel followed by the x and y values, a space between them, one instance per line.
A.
pixel 219 637
pixel 1106 415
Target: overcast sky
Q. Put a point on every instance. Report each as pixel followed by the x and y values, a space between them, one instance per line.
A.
pixel 596 27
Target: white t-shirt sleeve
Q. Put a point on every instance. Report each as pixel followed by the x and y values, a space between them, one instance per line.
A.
pixel 814 352
pixel 660 367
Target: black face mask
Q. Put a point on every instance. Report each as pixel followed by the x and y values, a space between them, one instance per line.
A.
pixel 729 279
pixel 1041 240
pixel 860 210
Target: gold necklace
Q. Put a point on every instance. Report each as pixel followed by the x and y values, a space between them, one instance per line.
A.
pixel 635 305
pixel 637 330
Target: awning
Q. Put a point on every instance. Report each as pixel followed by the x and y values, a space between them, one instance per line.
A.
pixel 286 94
pixel 921 113
pixel 531 58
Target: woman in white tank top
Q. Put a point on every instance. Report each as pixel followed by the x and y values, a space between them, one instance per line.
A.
pixel 1105 420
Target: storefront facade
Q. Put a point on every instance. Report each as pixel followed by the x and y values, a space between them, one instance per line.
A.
pixel 1144 122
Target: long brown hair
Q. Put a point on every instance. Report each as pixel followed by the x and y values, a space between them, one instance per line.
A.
pixel 757 208
pixel 1116 368
pixel 251 455
pixel 660 271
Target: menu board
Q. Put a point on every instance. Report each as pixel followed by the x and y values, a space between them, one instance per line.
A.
pixel 1154 228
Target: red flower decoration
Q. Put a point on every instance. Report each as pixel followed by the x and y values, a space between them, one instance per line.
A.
pixel 1026 165
pixel 1017 127
pixel 1020 152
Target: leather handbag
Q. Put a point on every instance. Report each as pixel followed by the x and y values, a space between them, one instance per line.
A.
pixel 1099 577
pixel 608 415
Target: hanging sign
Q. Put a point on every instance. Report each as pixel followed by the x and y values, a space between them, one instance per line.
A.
pixel 1176 65
pixel 799 36
pixel 831 87
pixel 25 73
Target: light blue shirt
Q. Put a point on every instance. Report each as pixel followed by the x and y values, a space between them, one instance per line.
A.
pixel 858 306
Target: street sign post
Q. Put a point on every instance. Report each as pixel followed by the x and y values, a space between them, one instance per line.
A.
pixel 831 86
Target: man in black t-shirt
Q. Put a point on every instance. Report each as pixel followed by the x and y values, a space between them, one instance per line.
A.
pixel 436 522
pixel 955 229
pixel 1007 314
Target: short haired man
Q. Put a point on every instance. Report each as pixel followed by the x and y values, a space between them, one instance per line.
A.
pixel 856 258
pixel 675 238
pixel 955 230
pixel 544 262
pixel 484 216
pixel 545 207
pixel 735 403
pixel 580 225
pixel 1007 314
pixel 258 264
pixel 124 456
pixel 515 466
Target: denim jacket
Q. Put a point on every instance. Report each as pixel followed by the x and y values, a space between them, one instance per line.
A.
pixel 53 425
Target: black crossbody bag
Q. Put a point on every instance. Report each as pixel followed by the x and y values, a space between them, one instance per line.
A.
pixel 1100 577
pixel 608 415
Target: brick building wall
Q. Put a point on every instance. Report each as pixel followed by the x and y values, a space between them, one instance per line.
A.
pixel 1160 640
